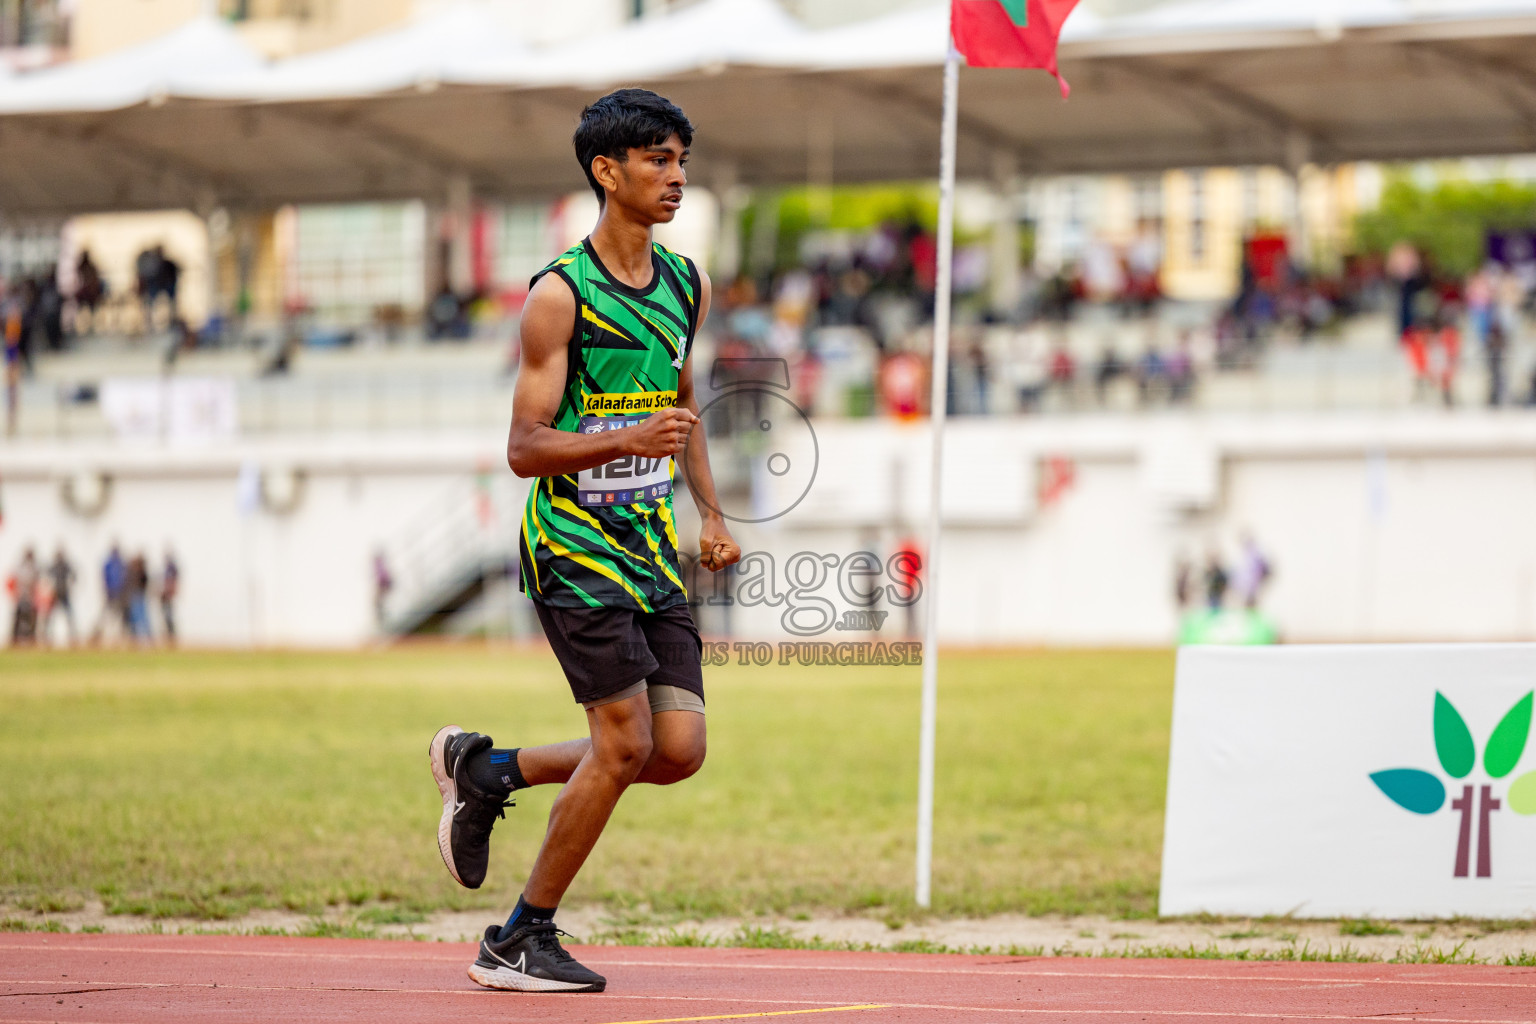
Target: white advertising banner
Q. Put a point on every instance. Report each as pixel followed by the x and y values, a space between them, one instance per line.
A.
pixel 179 409
pixel 1393 781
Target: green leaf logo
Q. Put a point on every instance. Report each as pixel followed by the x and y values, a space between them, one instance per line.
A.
pixel 1422 792
pixel 1413 790
pixel 1453 740
pixel 1508 740
pixel 1522 794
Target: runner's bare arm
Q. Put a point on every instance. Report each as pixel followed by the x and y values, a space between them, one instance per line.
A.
pixel 717 549
pixel 534 446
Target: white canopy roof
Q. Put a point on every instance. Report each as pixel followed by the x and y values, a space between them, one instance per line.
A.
pixel 173 65
pixel 196 119
pixel 706 37
pixel 443 47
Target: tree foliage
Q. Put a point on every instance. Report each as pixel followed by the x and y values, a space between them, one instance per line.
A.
pixel 1449 222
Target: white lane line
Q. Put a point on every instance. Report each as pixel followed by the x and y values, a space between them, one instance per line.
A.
pixel 1116 975
pixel 998 971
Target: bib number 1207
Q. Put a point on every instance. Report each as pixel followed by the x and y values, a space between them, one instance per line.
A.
pixel 627 479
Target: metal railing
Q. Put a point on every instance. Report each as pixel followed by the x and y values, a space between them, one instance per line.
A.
pixel 1284 375
pixel 463 537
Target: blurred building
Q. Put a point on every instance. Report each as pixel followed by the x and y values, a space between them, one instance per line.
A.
pixel 1194 220
pixel 34 33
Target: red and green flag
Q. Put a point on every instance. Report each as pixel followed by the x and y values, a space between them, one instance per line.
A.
pixel 1010 33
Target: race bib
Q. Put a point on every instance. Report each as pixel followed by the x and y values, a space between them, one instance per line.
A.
pixel 625 480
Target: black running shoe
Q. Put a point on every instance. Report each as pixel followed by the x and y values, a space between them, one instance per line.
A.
pixel 531 960
pixel 469 813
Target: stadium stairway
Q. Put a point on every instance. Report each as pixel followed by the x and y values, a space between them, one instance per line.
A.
pixel 448 557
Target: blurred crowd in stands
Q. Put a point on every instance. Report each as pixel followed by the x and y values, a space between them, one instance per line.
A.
pixel 43 605
pixel 1436 313
pixel 879 290
pixel 37 312
pixel 853 320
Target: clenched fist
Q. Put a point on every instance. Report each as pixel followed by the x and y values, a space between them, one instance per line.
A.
pixel 717 548
pixel 661 434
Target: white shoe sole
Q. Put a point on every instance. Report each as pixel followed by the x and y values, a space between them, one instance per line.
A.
pixel 450 791
pixel 506 979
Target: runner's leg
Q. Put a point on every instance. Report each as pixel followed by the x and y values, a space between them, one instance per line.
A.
pixel 621 746
pixel 677 751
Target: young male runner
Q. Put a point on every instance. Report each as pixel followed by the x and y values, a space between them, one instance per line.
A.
pixel 604 401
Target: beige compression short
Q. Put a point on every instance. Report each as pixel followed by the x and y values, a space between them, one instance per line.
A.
pixel 663 698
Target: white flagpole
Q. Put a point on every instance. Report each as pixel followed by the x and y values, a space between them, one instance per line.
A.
pixel 938 408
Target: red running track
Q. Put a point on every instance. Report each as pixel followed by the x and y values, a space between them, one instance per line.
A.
pixel 116 979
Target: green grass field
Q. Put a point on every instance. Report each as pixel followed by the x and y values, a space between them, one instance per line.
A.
pixel 207 785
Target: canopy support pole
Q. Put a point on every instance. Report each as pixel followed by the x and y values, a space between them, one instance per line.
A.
pixel 938 409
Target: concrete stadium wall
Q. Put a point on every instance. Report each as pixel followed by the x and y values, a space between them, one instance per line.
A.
pixel 1397 527
pixel 250 576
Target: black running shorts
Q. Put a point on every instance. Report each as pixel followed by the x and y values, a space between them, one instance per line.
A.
pixel 607 650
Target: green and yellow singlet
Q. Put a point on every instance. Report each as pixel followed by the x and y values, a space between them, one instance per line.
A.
pixel 606 537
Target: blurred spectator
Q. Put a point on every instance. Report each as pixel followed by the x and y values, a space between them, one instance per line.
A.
pixel 1183 582
pixel 903 380
pixel 61 574
pixel 383 583
pixel 183 339
pixel 114 614
pixel 1416 342
pixel 1216 581
pixel 1444 355
pixel 136 598
pixel 1062 371
pixel 1143 266
pixel 981 375
pixel 27 302
pixel 1481 309
pixel 1514 296
pixel 1103 274
pixel 907 561
pixel 923 251
pixel 11 322
pixel 1151 376
pixel 285 351
pixel 168 281
pixel 1110 369
pixel 170 589
pixel 1029 367
pixel 1406 270
pixel 90 289
pixel 49 316
pixel 1486 331
pixel 447 315
pixel 23 586
pixel 1251 573
pixel 1181 371
pixel 1494 345
pixel 807 380
pixel 148 274
pixel 1060 293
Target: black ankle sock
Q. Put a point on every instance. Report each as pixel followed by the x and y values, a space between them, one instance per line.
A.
pixel 496 771
pixel 525 913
